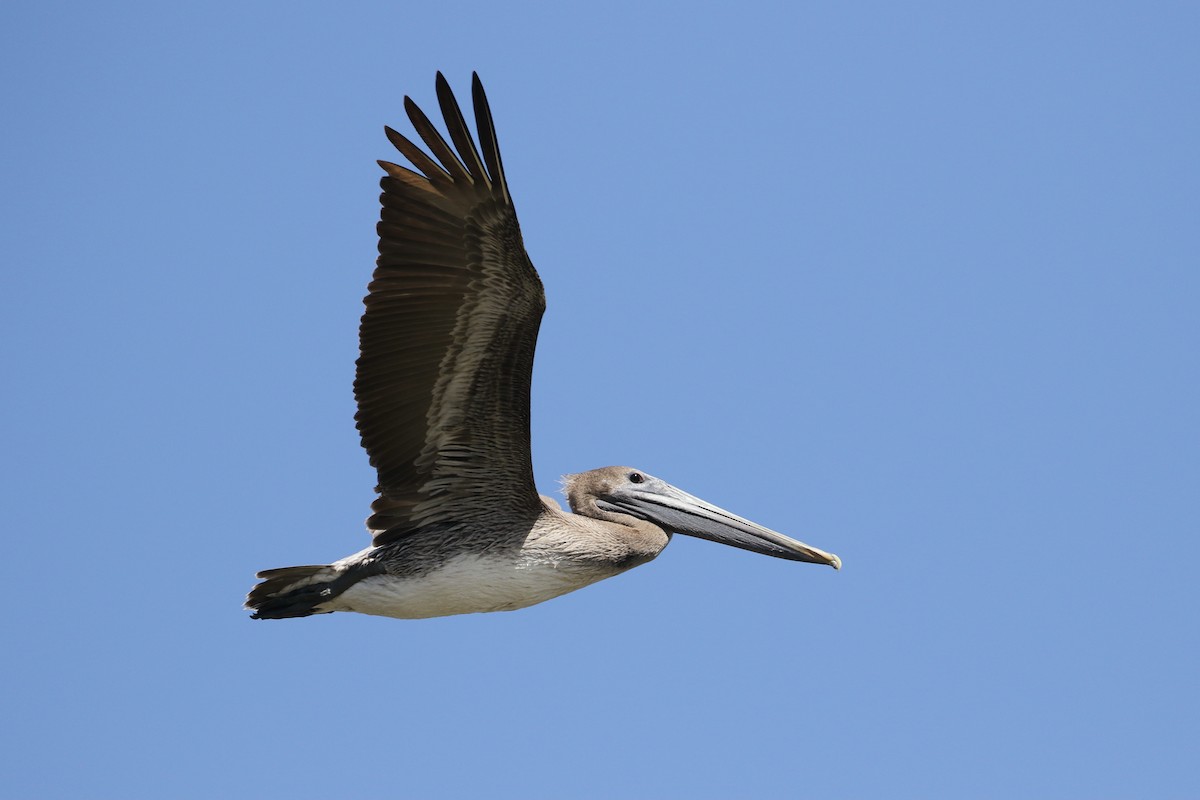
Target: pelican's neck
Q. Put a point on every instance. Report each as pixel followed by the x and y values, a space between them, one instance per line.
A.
pixel 643 540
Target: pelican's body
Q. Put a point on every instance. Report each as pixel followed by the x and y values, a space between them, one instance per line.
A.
pixel 447 345
pixel 468 584
pixel 559 554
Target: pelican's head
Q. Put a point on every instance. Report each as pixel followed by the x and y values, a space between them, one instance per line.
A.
pixel 624 490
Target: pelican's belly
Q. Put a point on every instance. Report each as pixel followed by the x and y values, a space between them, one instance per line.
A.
pixel 465 585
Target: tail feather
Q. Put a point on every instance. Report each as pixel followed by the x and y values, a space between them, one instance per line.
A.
pixel 290 591
pixel 297 591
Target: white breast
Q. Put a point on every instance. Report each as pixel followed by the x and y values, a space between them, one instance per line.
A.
pixel 467 584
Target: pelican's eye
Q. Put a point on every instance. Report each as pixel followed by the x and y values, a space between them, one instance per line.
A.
pixel 636 477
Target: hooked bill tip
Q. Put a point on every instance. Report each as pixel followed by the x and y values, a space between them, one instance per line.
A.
pixel 835 562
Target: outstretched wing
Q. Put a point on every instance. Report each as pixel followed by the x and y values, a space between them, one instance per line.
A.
pixel 448 335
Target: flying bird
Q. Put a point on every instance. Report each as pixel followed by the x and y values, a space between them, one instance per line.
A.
pixel 446 355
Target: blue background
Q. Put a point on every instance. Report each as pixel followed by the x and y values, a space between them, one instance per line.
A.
pixel 916 283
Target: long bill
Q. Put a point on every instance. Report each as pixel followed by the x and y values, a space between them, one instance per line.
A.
pixel 677 511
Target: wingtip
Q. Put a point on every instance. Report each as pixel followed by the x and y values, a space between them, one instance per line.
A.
pixel 394 136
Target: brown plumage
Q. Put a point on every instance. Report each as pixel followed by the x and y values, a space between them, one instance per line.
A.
pixel 449 332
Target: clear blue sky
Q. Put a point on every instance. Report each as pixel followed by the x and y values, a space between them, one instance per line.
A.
pixel 917 283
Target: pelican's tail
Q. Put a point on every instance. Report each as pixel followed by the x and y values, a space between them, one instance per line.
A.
pixel 299 590
pixel 291 591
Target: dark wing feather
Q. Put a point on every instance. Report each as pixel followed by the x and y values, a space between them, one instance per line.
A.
pixel 448 336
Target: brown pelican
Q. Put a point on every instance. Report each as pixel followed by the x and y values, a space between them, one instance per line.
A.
pixel 443 378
